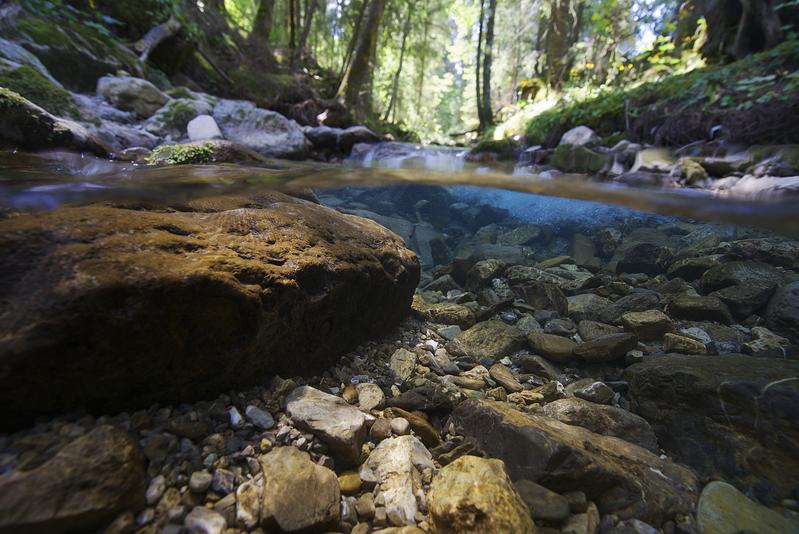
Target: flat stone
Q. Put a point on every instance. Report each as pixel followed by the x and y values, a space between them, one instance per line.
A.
pixel 248 503
pixel 475 495
pixel 400 426
pixel 505 378
pixel 489 339
pixel 420 426
pixel 587 306
pixel 683 345
pixel 606 348
pixel 556 348
pixel 543 504
pixel 398 464
pixel 590 330
pixel 723 509
pixel 341 426
pixel 699 309
pixel 298 494
pixel 648 325
pixel 350 482
pixel 200 481
pixel 366 275
pixel 260 418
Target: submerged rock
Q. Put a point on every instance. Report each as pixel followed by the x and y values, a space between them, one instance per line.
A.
pixel 622 478
pixel 733 417
pixel 723 509
pixel 298 495
pixel 111 307
pixel 341 426
pixel 82 488
pixel 475 495
pixel 397 463
pixel 605 420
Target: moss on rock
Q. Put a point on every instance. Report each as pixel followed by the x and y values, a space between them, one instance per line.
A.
pixel 182 154
pixel 31 84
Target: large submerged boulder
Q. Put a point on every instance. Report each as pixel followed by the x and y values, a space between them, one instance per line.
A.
pixel 105 307
pixel 621 478
pixel 732 417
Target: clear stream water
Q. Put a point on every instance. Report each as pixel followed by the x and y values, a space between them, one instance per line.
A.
pixel 45 181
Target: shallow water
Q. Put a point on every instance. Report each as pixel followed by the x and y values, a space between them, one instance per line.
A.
pixel 679 311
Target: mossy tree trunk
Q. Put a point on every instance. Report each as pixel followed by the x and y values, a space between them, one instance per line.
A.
pixel 355 86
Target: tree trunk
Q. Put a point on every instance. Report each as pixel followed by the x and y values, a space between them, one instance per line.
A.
pixel 557 42
pixel 356 31
pixel 423 55
pixel 737 28
pixel 356 85
pixel 488 55
pixel 478 65
pixel 395 84
pixel 310 9
pixel 262 26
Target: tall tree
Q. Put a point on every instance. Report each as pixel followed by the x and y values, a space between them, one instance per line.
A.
pixel 488 57
pixel 262 25
pixel 307 22
pixel 355 86
pixel 478 65
pixel 395 82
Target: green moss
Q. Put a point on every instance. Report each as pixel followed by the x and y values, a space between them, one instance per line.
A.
pixel 182 154
pixel 180 92
pixel 31 84
pixel 178 114
pixel 9 99
pixel 44 32
pixel 686 103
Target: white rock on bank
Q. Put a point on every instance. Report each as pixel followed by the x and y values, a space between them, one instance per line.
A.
pixel 203 127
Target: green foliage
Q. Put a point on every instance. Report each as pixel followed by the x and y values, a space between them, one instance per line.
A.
pixel 738 86
pixel 182 154
pixel 31 84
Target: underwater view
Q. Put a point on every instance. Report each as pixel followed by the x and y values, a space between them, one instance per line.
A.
pixel 276 266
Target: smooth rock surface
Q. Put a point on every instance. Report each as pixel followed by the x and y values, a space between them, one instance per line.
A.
pixel 341 426
pixel 267 132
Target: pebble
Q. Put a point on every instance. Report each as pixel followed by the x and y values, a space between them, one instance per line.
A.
pixel 200 481
pixel 400 426
pixel 155 490
pixel 202 520
pixel 350 482
pixel 259 417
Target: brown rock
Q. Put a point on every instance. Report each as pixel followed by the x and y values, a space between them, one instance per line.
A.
pixel 127 307
pixel 475 495
pixel 82 488
pixel 622 478
pixel 556 348
pixel 298 494
pixel 606 348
